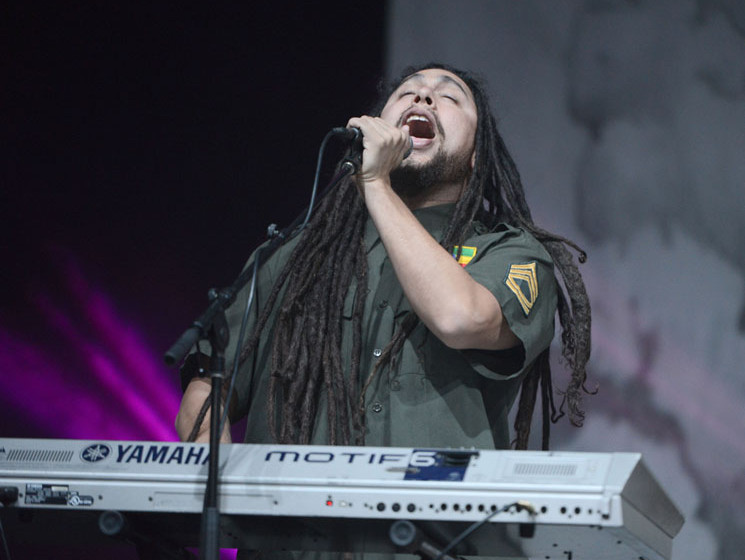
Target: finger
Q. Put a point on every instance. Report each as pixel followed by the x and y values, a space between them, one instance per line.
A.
pixel 391 134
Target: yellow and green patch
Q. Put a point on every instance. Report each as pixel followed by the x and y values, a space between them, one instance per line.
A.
pixel 466 254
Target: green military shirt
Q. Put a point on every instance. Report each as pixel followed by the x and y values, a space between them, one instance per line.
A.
pixel 435 396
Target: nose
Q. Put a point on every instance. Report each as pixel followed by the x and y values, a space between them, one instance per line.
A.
pixel 424 95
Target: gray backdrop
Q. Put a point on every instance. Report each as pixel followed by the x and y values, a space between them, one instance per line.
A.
pixel 627 121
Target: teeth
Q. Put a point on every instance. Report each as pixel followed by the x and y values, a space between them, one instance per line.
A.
pixel 416 118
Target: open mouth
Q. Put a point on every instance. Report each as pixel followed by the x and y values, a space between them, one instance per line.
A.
pixel 420 126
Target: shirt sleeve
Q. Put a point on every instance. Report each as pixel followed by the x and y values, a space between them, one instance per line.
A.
pixel 516 268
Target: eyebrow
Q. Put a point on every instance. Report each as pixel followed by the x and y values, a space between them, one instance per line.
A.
pixel 440 79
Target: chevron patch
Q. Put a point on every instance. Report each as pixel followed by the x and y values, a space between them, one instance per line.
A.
pixel 466 254
pixel 523 281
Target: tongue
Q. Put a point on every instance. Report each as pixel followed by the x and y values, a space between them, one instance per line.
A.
pixel 421 129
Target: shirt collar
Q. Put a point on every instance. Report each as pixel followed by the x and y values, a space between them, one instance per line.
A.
pixel 435 220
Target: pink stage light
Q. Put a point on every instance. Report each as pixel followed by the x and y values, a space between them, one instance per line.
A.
pixel 91 375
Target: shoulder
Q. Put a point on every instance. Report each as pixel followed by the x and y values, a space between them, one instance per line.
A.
pixel 273 254
pixel 504 244
pixel 517 269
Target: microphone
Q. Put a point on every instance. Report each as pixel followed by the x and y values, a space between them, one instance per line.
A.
pixel 353 135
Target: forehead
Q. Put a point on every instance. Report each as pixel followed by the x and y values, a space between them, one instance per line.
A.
pixel 436 77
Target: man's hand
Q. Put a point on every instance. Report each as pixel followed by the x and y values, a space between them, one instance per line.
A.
pixel 384 148
pixel 196 392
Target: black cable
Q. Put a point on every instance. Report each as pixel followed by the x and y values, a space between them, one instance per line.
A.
pixel 6 550
pixel 241 335
pixel 313 192
pixel 475 526
pixel 346 170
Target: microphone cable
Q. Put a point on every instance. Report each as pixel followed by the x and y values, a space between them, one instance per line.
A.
pixel 348 167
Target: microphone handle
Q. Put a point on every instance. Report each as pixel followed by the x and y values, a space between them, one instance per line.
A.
pixel 354 135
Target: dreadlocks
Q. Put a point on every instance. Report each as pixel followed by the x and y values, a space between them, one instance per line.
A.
pixel 330 258
pixel 495 194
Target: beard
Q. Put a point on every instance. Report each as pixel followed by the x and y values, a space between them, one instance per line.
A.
pixel 412 180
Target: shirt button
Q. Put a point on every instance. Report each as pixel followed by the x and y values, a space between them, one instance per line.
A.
pixel 395 385
pixel 377 352
pixel 377 407
pixel 383 303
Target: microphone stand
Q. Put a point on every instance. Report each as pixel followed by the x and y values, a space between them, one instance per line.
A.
pixel 212 326
pixel 219 336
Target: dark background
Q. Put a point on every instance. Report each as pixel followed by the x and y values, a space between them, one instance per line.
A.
pixel 152 145
pixel 156 143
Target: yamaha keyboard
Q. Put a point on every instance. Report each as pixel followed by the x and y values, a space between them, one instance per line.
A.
pixel 547 505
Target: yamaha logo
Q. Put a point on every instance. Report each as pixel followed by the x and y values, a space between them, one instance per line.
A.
pixel 95 453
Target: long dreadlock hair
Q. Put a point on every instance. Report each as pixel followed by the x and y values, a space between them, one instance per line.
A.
pixel 330 257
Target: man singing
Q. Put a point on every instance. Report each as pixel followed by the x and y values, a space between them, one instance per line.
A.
pixel 417 301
